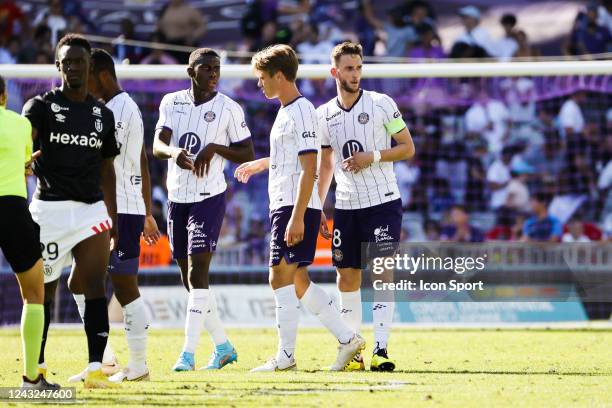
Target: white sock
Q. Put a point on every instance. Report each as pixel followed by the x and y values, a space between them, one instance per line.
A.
pixel 319 303
pixel 136 325
pixel 287 318
pixel 196 307
pixel 350 309
pixel 94 366
pixel 382 317
pixel 212 323
pixel 109 355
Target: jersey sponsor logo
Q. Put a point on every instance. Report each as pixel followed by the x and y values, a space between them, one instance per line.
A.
pixel 119 125
pixel 60 118
pixel 381 234
pixel 190 142
pixel 209 116
pixel 396 114
pixel 181 103
pixel 78 140
pixel 135 180
pixel 308 134
pixel 243 124
pixel 333 116
pixel 350 147
pixel 96 111
pixel 55 108
pixel 363 118
pixel 98 124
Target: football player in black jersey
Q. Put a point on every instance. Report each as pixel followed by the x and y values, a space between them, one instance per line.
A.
pixel 74 203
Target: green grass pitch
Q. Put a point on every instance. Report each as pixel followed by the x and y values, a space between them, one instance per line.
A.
pixel 436 368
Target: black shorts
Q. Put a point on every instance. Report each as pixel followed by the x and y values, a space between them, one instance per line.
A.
pixel 19 234
pixel 304 252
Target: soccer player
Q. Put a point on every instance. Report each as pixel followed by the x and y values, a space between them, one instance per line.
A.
pixel 295 210
pixel 21 246
pixel 198 129
pixel 356 132
pixel 133 188
pixel 74 203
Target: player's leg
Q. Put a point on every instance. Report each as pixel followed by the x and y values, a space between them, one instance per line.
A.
pixel 381 227
pixel 91 259
pixel 49 300
pixel 123 271
pixel 282 277
pixel 346 257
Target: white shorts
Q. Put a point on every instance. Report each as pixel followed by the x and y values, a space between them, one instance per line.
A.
pixel 63 224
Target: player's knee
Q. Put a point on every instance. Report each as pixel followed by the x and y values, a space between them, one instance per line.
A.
pixel 349 280
pixel 302 281
pixel 33 294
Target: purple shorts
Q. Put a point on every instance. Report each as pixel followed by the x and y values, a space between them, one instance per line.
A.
pixel 379 225
pixel 304 252
pixel 194 228
pixel 124 259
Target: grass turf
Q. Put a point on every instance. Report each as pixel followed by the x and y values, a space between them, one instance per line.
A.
pixel 434 368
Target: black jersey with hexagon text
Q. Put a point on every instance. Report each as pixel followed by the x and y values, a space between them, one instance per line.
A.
pixel 74 138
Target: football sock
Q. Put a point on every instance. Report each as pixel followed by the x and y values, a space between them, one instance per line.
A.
pixel 96 328
pixel 136 325
pixel 109 355
pixel 382 317
pixel 319 303
pixel 351 309
pixel 212 323
pixel 196 307
pixel 32 325
pixel 43 342
pixel 287 318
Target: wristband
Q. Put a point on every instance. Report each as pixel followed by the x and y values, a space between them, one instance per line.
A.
pixel 175 153
pixel 377 156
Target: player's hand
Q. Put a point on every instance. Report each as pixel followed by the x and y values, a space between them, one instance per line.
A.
pixel 244 172
pixel 294 234
pixel 358 161
pixel 28 165
pixel 202 162
pixel 323 230
pixel 181 157
pixel 150 233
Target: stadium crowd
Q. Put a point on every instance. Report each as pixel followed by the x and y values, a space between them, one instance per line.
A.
pixel 497 159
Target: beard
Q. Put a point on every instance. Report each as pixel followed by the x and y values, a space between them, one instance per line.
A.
pixel 347 87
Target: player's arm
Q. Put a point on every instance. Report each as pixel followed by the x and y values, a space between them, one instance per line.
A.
pixel 326 174
pixel 151 232
pixel 244 172
pixel 294 233
pixel 163 150
pixel 240 152
pixel 107 183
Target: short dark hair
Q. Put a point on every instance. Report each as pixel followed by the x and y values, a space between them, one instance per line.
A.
pixel 2 85
pixel 508 19
pixel 346 48
pixel 103 61
pixel 542 197
pixel 279 57
pixel 73 40
pixel 201 52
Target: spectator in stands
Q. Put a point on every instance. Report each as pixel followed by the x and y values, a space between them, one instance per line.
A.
pixel 407 174
pixel 521 100
pixel 256 239
pixel 476 38
pixel 541 226
pixel 549 162
pixel 525 49
pixel 9 54
pixel 398 34
pixel 157 55
pixel 428 45
pixel 181 24
pixel 476 183
pixel 53 17
pixel 314 50
pixel 503 229
pixel 517 197
pixel 10 13
pixel 121 51
pixel 587 36
pixel 432 230
pixel 460 230
pixel 604 184
pixel 489 118
pixel 441 199
pixel 575 232
pixel 507 46
pixel 498 177
pixel 604 15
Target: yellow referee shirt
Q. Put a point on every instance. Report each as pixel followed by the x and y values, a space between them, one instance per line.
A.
pixel 15 151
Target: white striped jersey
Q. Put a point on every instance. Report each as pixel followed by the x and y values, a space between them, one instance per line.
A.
pixel 130 137
pixel 367 126
pixel 295 131
pixel 220 121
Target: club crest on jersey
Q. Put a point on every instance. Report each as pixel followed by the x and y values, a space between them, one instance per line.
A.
pixel 209 116
pixel 190 142
pixel 98 125
pixel 338 255
pixel 96 111
pixel 363 118
pixel 350 147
